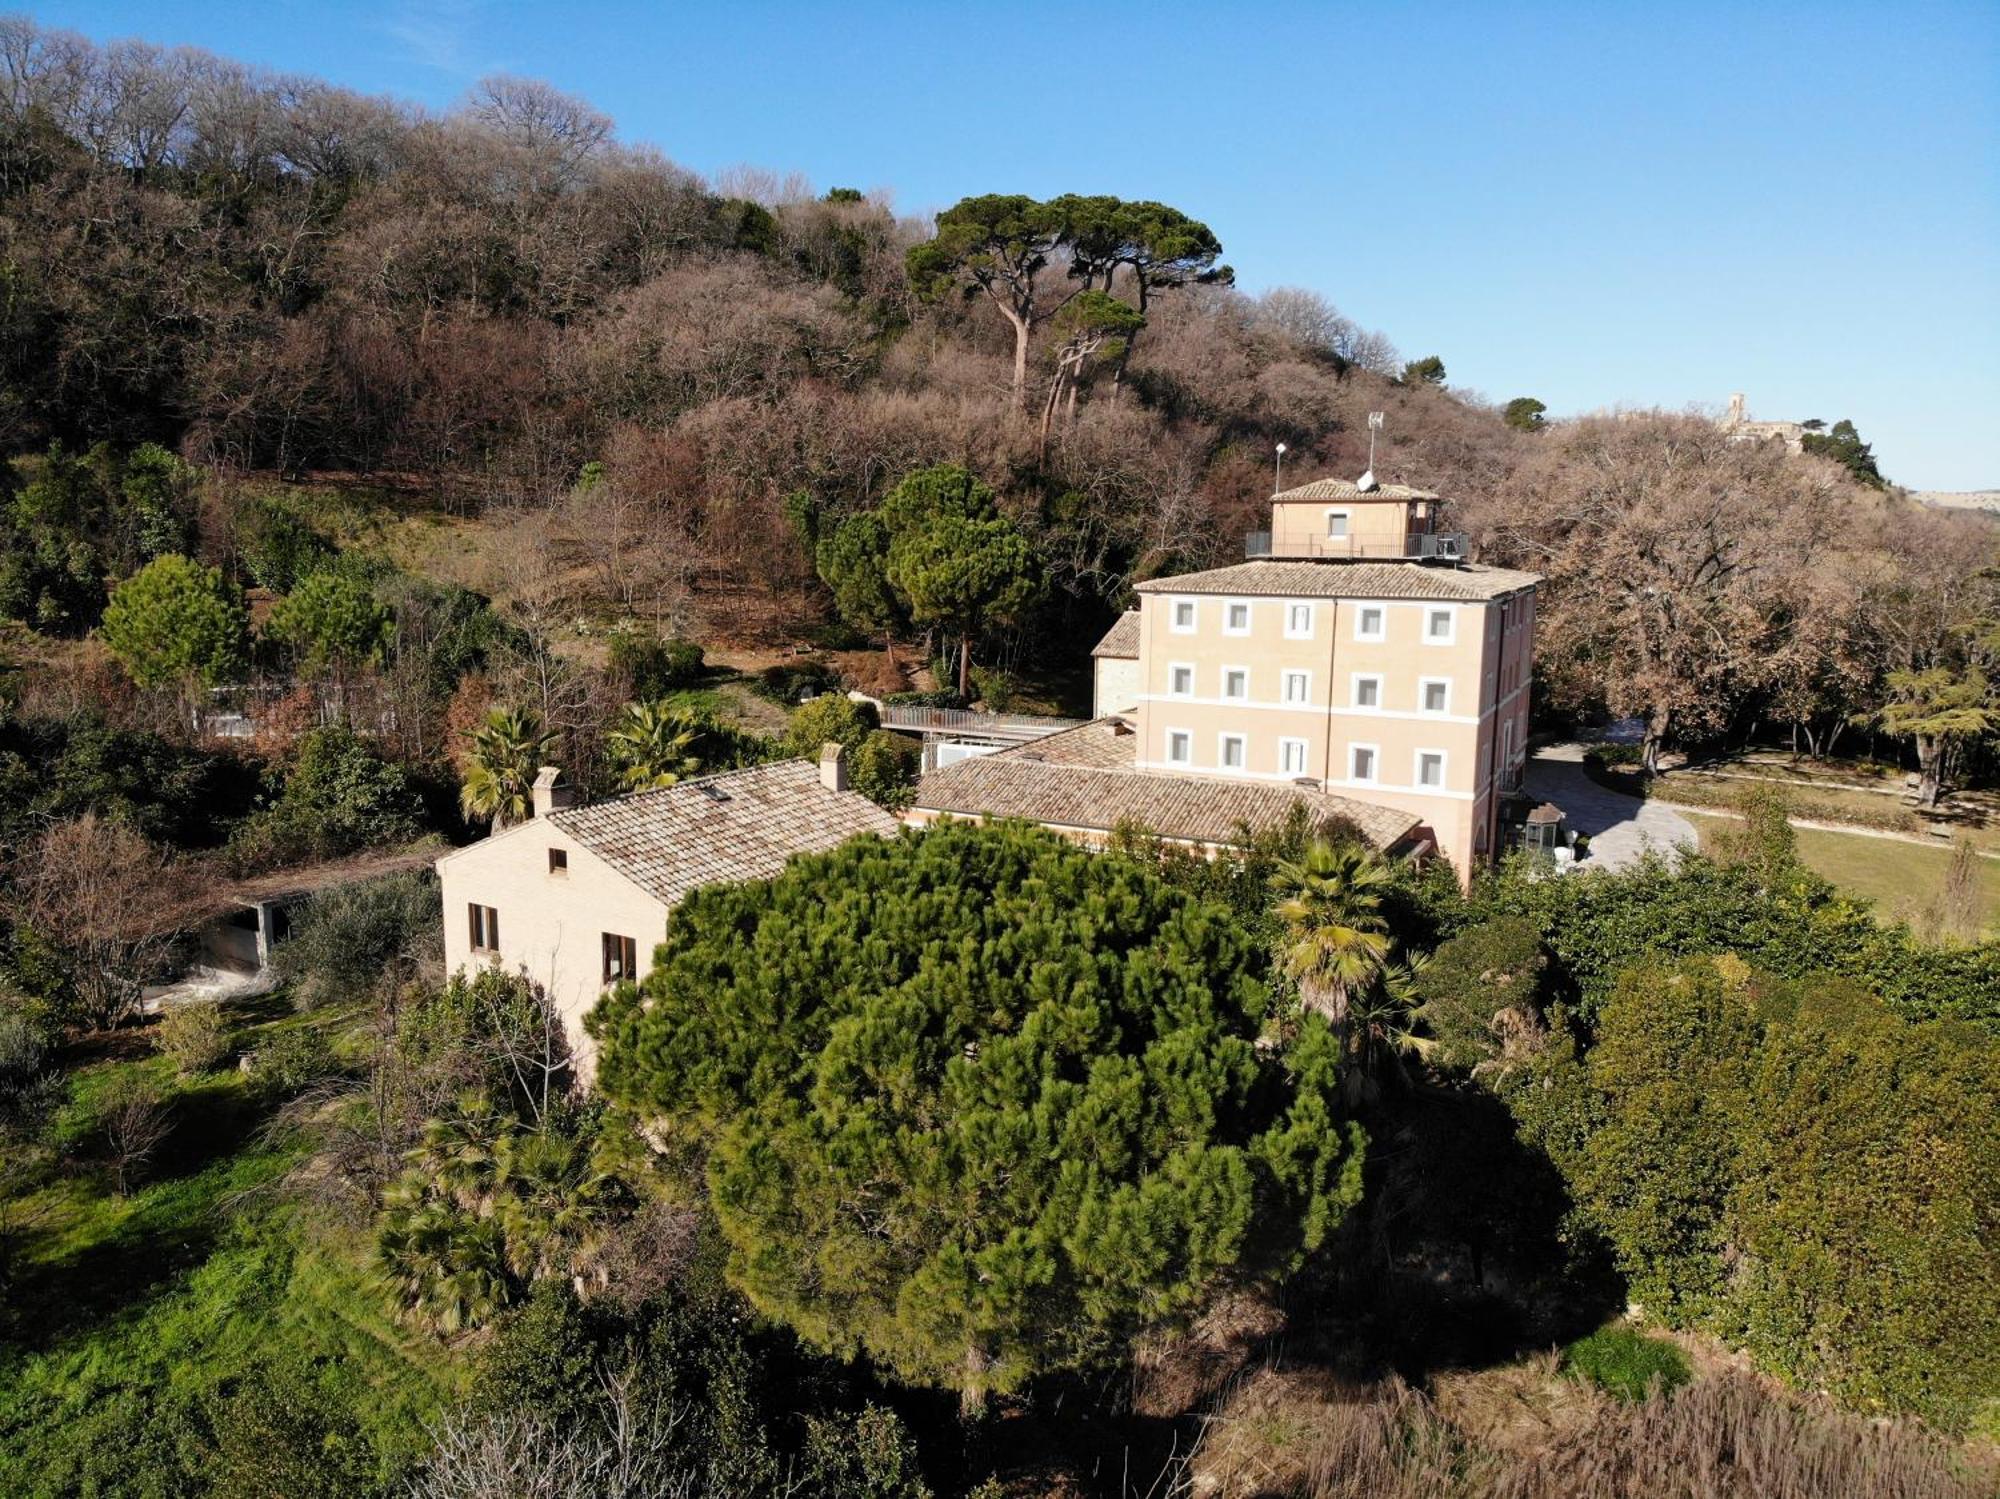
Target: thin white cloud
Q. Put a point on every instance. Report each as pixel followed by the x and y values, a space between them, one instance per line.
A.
pixel 440 34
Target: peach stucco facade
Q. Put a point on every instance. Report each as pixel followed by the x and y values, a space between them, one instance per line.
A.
pixel 552 922
pixel 1337 526
pixel 1347 661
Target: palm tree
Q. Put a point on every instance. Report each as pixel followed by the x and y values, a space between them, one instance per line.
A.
pixel 507 752
pixel 1382 1029
pixel 655 745
pixel 448 1266
pixel 1335 940
pixel 552 1200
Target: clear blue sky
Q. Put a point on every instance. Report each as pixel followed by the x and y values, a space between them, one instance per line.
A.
pixel 1596 204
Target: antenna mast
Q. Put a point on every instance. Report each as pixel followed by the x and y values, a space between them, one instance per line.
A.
pixel 1279 485
pixel 1367 482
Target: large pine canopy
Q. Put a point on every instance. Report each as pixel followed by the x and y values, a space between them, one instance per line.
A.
pixel 976 1100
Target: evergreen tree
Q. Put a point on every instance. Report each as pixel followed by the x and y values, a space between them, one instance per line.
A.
pixel 335 622
pixel 1844 446
pixel 981 1103
pixel 1426 371
pixel 176 623
pixel 953 559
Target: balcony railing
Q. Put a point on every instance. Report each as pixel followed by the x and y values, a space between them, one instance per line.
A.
pixel 1448 546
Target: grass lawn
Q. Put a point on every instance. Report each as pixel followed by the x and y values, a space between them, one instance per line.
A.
pixel 131 1321
pixel 1900 878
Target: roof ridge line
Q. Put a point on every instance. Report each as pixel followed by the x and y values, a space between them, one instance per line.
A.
pixel 716 775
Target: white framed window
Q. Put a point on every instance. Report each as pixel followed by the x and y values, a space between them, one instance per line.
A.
pixel 1232 751
pixel 1236 617
pixel 1180 747
pixel 1434 694
pixel 1292 756
pixel 1298 621
pixel 1298 687
pixel 1180 679
pixel 1336 525
pixel 1366 690
pixel 1362 760
pixel 1430 769
pixel 1440 625
pixel 1371 622
pixel 1181 616
pixel 1236 683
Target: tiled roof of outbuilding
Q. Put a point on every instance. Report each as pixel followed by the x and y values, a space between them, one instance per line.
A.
pixel 1470 582
pixel 740 825
pixel 1121 641
pixel 1086 778
pixel 1347 489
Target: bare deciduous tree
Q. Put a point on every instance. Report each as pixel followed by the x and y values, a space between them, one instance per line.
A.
pixel 108 902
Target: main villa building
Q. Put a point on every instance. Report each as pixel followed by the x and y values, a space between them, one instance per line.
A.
pixel 1355 664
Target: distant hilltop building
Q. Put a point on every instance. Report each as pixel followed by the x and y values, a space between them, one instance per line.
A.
pixel 1738 426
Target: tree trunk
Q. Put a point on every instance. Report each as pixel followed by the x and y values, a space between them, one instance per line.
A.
pixel 1022 328
pixel 1929 779
pixel 1049 412
pixel 1657 724
pixel 972 1392
pixel 964 663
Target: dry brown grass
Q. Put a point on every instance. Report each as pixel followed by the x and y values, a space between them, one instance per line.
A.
pixel 1527 1433
pixel 1174 1374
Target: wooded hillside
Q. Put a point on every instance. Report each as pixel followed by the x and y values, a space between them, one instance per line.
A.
pixel 505 310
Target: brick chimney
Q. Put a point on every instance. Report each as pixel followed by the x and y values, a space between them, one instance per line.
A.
pixel 833 766
pixel 549 795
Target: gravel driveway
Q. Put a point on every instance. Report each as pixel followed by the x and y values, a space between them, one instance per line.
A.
pixel 1621 828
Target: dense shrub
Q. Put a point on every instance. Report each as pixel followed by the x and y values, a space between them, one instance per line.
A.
pixel 277 549
pixel 1480 992
pixel 835 719
pixel 338 796
pixel 52 769
pixel 1669 1073
pixel 993 687
pixel 194 1037
pixel 293 1059
pixel 351 939
pixel 1796 1168
pixel 1616 756
pixel 791 682
pixel 884 769
pixel 1866 1211
pixel 1598 925
pixel 652 667
pixel 682 1389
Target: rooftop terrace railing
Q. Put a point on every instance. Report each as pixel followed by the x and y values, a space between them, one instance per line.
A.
pixel 1430 546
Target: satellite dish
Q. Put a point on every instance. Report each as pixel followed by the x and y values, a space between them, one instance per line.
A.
pixel 1368 483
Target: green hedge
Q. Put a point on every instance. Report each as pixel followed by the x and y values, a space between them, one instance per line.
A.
pixel 1693 789
pixel 1796 1169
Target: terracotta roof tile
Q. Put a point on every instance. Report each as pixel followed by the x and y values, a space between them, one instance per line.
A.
pixel 1347 489
pixel 1471 583
pixel 740 825
pixel 1085 778
pixel 1121 641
